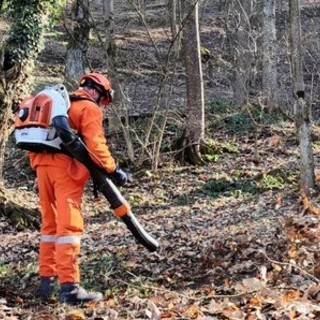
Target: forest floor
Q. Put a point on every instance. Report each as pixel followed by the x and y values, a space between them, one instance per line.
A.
pixel 237 240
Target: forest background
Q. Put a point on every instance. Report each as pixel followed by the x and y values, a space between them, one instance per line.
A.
pixel 237 221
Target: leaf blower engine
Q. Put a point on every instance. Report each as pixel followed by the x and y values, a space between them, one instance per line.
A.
pixel 48 111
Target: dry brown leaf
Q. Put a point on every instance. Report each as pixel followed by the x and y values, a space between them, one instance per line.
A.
pixel 256 302
pixel 276 267
pixel 111 303
pixel 314 210
pixel 250 284
pixel 291 296
pixel 193 312
pixel 159 300
pixel 293 252
pixel 317 269
pixel 252 317
pixel 19 300
pixel 75 315
pixel 306 201
pixel 275 141
pixel 168 315
pixel 314 293
pixel 43 316
pixel 278 201
pixel 308 205
pixel 233 313
pixel 170 305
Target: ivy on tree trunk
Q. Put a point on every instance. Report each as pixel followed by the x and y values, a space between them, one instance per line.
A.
pixel 17 58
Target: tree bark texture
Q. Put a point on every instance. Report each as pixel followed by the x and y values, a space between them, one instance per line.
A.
pixel 108 10
pixel 120 106
pixel 140 6
pixel 78 42
pixel 115 114
pixel 269 59
pixel 301 108
pixel 242 45
pixel 6 126
pixel 16 74
pixel 195 122
pixel 174 9
pixel 307 174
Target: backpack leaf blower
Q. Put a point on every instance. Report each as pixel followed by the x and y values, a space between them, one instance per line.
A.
pixel 73 145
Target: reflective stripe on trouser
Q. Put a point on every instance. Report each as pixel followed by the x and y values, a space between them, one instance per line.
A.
pixel 68 250
pixel 60 200
pixel 48 256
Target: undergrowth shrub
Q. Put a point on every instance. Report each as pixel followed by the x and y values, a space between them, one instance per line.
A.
pixel 241 184
pixel 225 116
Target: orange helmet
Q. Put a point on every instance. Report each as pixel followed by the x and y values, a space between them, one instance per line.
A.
pixel 101 84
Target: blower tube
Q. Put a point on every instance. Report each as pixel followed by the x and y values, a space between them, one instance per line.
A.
pixel 73 145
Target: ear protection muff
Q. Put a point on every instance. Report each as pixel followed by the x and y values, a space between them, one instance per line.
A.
pixel 107 97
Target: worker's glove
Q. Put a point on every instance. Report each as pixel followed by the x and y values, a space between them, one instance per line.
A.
pixel 119 177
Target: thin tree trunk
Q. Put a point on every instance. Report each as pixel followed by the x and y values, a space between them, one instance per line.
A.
pixel 174 23
pixel 242 47
pixel 115 114
pixel 108 12
pixel 141 6
pixel 16 71
pixel 302 110
pixel 6 121
pixel 195 122
pixel 78 42
pixel 269 67
pixel 15 78
pixel 121 105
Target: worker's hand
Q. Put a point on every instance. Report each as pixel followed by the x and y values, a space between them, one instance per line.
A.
pixel 119 177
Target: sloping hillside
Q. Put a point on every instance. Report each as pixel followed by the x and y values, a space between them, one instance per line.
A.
pixel 237 240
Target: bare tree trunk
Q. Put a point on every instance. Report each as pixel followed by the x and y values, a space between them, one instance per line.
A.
pixel 283 5
pixel 16 69
pixel 195 90
pixel 302 110
pixel 173 15
pixel 269 63
pixel 174 23
pixel 242 44
pixel 114 116
pixel 141 6
pixel 121 105
pixel 108 12
pixel 78 42
pixel 6 125
pixel 15 77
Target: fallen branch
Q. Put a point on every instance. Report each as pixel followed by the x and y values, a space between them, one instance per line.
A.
pixel 315 279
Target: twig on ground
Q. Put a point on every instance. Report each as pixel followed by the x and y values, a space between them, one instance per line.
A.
pixel 315 279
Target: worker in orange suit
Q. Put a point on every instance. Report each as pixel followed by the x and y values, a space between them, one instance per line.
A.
pixel 61 182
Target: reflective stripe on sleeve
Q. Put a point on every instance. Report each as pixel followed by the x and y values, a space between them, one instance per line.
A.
pixel 48 238
pixel 69 240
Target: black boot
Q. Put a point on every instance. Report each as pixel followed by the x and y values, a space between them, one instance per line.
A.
pixel 46 288
pixel 74 294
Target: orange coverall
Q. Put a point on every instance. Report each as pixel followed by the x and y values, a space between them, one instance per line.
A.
pixel 61 182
